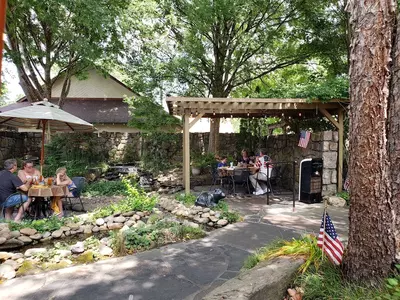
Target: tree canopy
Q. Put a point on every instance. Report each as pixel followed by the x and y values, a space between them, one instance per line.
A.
pixel 52 39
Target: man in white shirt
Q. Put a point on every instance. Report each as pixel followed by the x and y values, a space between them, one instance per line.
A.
pixel 259 179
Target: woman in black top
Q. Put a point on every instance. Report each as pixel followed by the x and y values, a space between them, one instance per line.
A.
pixel 245 159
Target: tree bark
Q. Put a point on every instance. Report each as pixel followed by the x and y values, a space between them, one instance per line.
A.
pixel 213 142
pixel 394 138
pixel 371 247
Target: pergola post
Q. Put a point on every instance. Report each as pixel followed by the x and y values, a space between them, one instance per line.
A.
pixel 340 150
pixel 186 153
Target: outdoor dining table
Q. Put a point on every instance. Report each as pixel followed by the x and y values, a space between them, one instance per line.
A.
pixel 229 171
pixel 39 192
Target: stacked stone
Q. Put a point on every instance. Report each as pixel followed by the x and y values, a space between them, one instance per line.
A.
pixel 198 214
pixel 18 238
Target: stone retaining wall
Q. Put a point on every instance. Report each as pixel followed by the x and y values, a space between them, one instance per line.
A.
pixel 18 144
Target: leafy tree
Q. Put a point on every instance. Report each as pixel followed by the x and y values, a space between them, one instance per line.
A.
pixel 213 47
pixel 52 39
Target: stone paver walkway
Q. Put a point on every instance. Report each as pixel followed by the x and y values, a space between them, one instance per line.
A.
pixel 181 271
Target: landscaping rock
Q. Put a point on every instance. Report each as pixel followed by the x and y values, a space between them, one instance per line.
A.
pixel 65 228
pixel 20 260
pixel 139 224
pixel 11 244
pixel 28 231
pixel 72 226
pixel 124 228
pixel 63 253
pixel 117 214
pixel 25 239
pixel 4 226
pixel 128 214
pixel 16 256
pixel 205 215
pixel 15 233
pixel 212 213
pixel 109 219
pixel 113 226
pixel 119 220
pixel 103 228
pixel 140 213
pixel 78 248
pixel 214 219
pixel 12 263
pixel 66 262
pixel 46 239
pixel 46 234
pixel 206 209
pixel 87 229
pixel 56 234
pixel 211 224
pixel 5 255
pixel 336 201
pixel 33 251
pixel 95 229
pixel 100 222
pixel 2 240
pixel 67 233
pixel 36 236
pixel 5 233
pixel 105 250
pixel 136 217
pixel 7 271
pixel 130 223
pixel 222 222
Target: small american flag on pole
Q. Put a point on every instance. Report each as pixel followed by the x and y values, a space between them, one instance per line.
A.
pixel 304 138
pixel 329 242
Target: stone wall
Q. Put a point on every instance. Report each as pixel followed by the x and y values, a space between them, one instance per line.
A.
pixel 18 144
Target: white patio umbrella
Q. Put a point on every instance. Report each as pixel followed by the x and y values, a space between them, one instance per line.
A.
pixel 44 115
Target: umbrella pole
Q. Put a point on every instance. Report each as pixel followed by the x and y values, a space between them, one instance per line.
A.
pixel 42 150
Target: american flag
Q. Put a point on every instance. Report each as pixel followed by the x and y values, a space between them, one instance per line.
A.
pixel 304 138
pixel 329 242
pixel 346 185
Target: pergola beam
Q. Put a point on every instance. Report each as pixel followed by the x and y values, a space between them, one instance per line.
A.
pixel 194 121
pixel 329 117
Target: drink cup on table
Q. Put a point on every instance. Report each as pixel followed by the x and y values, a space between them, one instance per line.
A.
pixel 50 181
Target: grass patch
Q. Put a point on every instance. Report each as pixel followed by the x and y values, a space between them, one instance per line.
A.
pixel 187 199
pixel 105 188
pixel 304 247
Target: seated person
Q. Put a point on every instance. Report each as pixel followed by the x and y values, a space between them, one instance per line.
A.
pixel 258 179
pixel 9 185
pixel 223 162
pixel 245 158
pixel 62 179
pixel 28 172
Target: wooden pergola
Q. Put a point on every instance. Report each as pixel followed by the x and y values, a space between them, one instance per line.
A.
pixel 198 108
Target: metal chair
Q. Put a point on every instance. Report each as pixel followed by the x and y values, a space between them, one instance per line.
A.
pixel 2 212
pixel 79 183
pixel 240 176
pixel 216 178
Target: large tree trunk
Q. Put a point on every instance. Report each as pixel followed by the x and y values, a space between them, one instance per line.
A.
pixel 371 247
pixel 213 143
pixel 394 138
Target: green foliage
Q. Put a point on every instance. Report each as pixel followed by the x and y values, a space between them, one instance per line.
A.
pixel 327 282
pixel 187 199
pixel 230 216
pixel 105 188
pixel 222 206
pixel 151 235
pixel 393 286
pixel 136 199
pixel 345 195
pixel 77 152
pixel 42 225
pixel 150 116
pixel 159 151
pixel 203 160
pixel 305 247
pixel 61 37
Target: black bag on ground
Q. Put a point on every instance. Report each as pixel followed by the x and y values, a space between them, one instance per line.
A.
pixel 208 199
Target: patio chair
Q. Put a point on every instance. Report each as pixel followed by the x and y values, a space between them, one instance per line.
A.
pixel 80 183
pixel 216 178
pixel 2 212
pixel 241 177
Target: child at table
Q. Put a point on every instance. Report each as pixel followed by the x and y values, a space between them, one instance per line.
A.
pixel 223 162
pixel 62 179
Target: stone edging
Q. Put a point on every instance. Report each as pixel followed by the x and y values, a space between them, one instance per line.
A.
pixel 18 238
pixel 198 214
pixel 268 280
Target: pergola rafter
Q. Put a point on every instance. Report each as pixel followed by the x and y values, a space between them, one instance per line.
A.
pixel 198 108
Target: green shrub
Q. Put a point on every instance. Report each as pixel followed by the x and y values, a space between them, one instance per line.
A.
pixel 42 225
pixel 222 206
pixel 136 199
pixel 230 216
pixel 187 199
pixel 345 196
pixel 393 286
pixel 105 188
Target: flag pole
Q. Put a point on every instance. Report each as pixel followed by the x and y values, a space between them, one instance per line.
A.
pixel 324 232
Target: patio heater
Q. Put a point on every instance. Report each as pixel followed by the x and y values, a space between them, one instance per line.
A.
pixel 310 180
